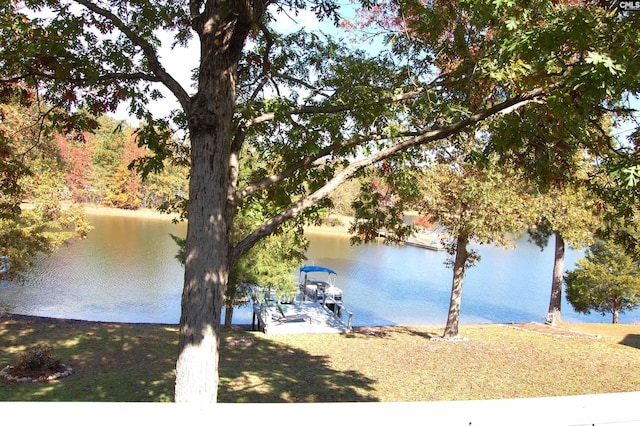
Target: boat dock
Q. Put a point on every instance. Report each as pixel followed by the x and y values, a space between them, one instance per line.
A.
pixel 429 244
pixel 315 307
pixel 430 240
pixel 306 316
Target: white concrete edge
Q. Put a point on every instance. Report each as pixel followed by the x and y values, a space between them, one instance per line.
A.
pixel 619 409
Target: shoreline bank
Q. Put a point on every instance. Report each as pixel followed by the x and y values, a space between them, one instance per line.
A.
pixel 587 329
pixel 141 213
pixel 583 330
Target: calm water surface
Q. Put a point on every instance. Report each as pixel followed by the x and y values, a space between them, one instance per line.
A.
pixel 126 271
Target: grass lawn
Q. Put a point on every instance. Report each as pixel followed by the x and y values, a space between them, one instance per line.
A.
pixel 135 362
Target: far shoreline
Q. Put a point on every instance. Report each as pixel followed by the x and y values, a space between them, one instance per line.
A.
pixel 141 213
pixel 339 230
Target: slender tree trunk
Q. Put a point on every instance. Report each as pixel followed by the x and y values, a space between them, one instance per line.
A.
pixel 616 310
pixel 555 301
pixel 453 319
pixel 228 315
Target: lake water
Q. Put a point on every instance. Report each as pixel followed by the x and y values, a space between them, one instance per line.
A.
pixel 126 272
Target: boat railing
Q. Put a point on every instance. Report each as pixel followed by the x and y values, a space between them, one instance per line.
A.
pixel 338 310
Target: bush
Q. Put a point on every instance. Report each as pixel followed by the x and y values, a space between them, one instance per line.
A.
pixel 37 359
pixel 332 221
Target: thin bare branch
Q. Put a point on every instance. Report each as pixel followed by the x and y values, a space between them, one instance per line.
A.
pixel 332 109
pixel 316 91
pixel 81 82
pixel 128 76
pixel 147 49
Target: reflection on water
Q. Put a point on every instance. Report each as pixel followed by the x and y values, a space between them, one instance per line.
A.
pixel 126 271
pixel 407 285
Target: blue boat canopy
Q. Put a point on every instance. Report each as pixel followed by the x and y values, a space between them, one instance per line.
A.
pixel 311 268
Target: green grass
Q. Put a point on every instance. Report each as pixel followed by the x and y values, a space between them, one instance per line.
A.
pixel 135 362
pixel 112 362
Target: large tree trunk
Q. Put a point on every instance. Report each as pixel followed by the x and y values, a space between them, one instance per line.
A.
pixel 206 273
pixel 210 215
pixel 555 301
pixel 453 319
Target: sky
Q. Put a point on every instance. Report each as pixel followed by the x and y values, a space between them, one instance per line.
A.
pixel 180 61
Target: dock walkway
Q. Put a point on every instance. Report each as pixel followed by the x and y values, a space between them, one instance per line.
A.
pixel 308 316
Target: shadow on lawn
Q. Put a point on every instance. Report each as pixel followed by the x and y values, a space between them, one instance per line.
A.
pixel 632 340
pixel 116 362
pixel 266 371
pixel 111 361
pixel 383 332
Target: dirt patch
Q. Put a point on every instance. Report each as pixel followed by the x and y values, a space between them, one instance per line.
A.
pixel 371 331
pixel 550 330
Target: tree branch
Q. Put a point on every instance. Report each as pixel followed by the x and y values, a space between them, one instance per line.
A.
pixel 137 76
pixel 83 82
pixel 312 89
pixel 439 80
pixel 297 208
pixel 332 109
pixel 332 149
pixel 148 51
pixel 303 162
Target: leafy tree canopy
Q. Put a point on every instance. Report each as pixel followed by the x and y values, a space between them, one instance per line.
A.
pixel 606 280
pixel 571 211
pixel 32 218
pixel 445 62
pixel 318 111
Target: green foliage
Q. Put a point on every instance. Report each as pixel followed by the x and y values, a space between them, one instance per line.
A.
pixel 16 136
pixel 568 210
pixel 485 51
pixel 548 145
pixel 269 264
pixel 488 205
pixel 379 211
pixel 33 219
pixel 606 280
pixel 266 266
pixel 628 175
